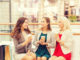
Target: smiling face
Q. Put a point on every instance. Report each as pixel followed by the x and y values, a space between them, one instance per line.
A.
pixel 25 24
pixel 44 23
pixel 61 24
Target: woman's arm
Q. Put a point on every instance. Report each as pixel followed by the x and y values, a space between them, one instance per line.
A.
pixel 20 45
pixel 35 42
pixel 52 42
pixel 27 41
pixel 29 48
pixel 66 41
pixel 27 38
pixel 17 45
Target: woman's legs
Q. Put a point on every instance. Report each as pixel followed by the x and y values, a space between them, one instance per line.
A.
pixel 33 55
pixel 24 58
pixel 30 58
pixel 43 58
pixel 53 58
pixel 60 58
pixel 38 58
pixel 27 57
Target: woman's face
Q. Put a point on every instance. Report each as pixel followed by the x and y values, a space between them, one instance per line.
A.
pixel 61 24
pixel 25 24
pixel 44 23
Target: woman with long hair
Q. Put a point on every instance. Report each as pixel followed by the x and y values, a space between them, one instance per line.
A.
pixel 22 38
pixel 64 41
pixel 44 40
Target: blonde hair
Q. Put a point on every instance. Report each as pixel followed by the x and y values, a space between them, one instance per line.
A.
pixel 66 22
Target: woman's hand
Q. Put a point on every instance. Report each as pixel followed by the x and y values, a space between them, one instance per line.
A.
pixel 44 43
pixel 56 36
pixel 61 42
pixel 28 53
pixel 58 39
pixel 27 41
pixel 29 38
pixel 39 42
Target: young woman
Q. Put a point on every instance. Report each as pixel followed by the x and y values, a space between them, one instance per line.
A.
pixel 22 40
pixel 44 40
pixel 63 41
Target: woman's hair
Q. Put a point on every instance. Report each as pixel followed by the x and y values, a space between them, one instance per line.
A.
pixel 66 22
pixel 48 21
pixel 17 29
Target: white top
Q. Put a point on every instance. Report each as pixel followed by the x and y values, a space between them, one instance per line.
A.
pixel 67 38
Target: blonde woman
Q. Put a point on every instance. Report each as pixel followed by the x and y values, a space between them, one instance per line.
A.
pixel 63 41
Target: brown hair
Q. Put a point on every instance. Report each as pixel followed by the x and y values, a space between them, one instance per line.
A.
pixel 48 21
pixel 17 29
